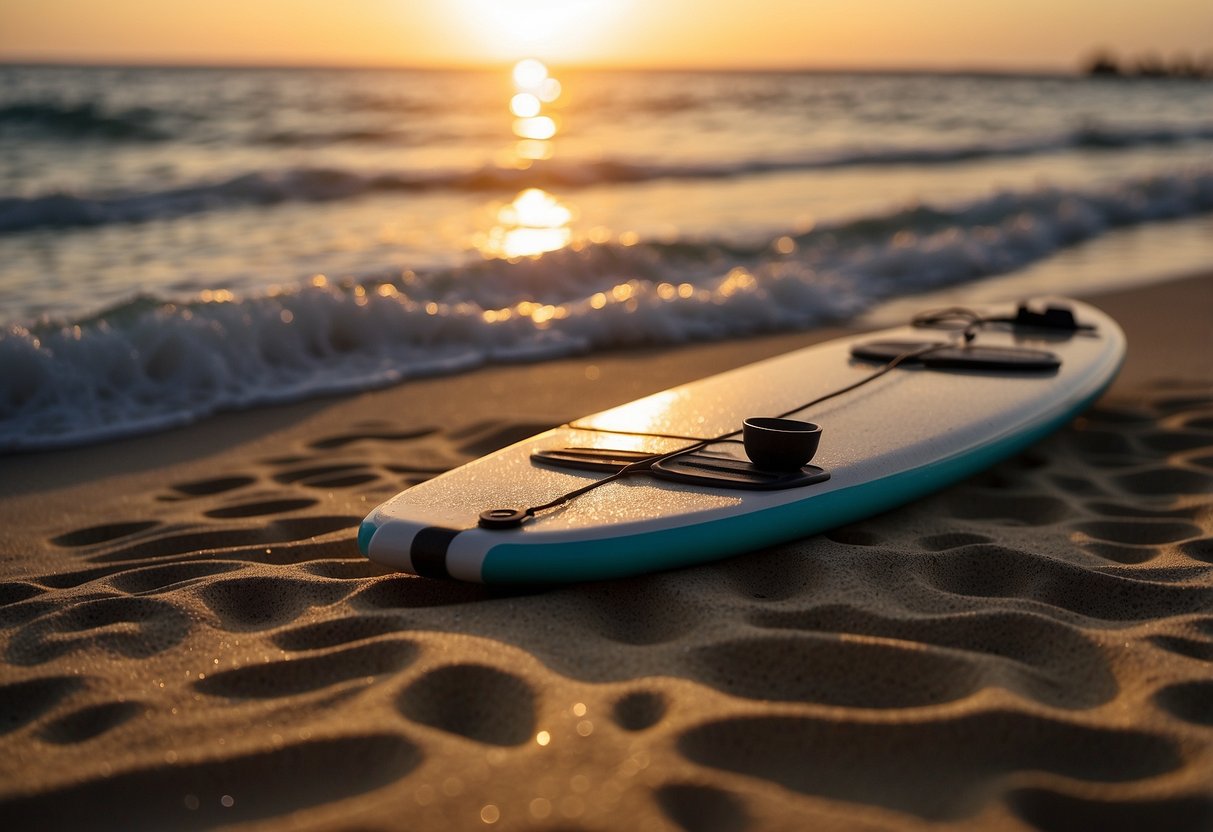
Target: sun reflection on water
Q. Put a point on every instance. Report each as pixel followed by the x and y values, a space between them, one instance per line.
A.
pixel 534 88
pixel 529 73
pixel 540 128
pixel 527 151
pixel 533 223
pixel 525 105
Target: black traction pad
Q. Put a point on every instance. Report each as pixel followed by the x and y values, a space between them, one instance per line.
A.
pixel 1007 359
pixel 724 472
pixel 695 468
pixel 605 460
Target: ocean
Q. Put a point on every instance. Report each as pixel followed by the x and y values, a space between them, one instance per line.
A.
pixel 179 242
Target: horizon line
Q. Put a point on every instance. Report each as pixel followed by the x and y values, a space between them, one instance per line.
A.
pixel 496 66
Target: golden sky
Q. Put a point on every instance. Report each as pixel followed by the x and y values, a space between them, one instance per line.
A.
pixel 1028 34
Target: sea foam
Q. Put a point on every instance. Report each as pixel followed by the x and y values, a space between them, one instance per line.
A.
pixel 153 363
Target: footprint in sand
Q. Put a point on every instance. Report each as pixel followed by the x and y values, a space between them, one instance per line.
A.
pixel 1058 811
pixel 220 485
pixel 239 787
pixel 304 674
pixel 259 603
pixel 698 808
pixel 93 535
pixel 639 710
pixel 23 702
pixel 124 626
pixel 936 768
pixel 1029 654
pixel 474 701
pixel 88 722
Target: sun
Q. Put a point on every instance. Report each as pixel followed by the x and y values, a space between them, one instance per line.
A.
pixel 566 30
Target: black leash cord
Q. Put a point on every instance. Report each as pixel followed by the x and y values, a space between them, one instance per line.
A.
pixel 515 517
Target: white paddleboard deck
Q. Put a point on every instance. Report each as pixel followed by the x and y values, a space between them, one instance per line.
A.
pixel 904 435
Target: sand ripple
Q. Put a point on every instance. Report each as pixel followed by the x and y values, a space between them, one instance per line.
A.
pixel 1030 649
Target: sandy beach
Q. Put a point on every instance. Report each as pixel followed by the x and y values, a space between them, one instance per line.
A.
pixel 190 637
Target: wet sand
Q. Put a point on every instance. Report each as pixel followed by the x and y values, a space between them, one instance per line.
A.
pixel 190 638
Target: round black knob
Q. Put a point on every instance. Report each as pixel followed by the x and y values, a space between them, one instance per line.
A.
pixel 502 518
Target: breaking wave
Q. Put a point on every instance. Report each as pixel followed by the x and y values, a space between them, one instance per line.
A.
pixel 153 363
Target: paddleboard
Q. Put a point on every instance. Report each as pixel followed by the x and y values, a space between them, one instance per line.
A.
pixel 914 428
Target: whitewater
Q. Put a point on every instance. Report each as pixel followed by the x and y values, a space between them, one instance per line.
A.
pixel 175 243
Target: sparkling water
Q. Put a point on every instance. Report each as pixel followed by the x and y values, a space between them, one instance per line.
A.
pixel 174 242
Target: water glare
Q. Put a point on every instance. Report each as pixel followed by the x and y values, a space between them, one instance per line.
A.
pixel 529 73
pixel 540 128
pixel 534 87
pixel 525 105
pixel 533 223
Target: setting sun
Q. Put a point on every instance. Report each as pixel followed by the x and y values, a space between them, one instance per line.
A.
pixel 561 29
pixel 605 33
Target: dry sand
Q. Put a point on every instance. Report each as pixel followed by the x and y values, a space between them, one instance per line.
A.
pixel 189 637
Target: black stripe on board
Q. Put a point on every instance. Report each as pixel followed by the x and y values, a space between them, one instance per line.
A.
pixel 429 551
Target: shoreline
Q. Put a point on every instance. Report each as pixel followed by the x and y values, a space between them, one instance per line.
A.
pixel 665 366
pixel 189 637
